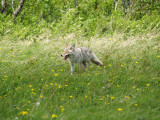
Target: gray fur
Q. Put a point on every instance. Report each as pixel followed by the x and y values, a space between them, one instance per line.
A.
pixel 82 56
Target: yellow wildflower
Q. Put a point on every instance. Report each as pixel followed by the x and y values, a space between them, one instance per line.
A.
pixel 59 86
pixel 23 113
pixel 41 96
pixel 148 85
pixel 112 97
pixel 136 104
pixel 30 85
pixel 158 56
pixel 54 116
pixel 119 109
pixel 118 86
pixel 62 109
pixel 133 87
pixel 71 96
pixel 55 74
pixel 61 106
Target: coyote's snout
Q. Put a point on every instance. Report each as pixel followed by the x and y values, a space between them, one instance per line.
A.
pixel 82 56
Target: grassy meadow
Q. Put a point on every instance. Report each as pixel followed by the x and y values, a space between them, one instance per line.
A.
pixel 36 84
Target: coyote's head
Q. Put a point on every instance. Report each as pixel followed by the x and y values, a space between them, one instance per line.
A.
pixel 68 51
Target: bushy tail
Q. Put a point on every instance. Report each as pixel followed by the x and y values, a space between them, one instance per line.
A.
pixel 96 60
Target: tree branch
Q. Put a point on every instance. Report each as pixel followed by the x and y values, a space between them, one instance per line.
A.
pixel 15 14
pixel 3 5
pixel 12 5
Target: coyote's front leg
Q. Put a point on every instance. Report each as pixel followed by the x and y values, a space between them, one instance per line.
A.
pixel 72 69
pixel 80 66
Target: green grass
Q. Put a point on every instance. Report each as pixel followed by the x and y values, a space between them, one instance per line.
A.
pixel 36 83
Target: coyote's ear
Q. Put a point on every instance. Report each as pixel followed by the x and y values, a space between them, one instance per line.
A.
pixel 73 47
pixel 67 46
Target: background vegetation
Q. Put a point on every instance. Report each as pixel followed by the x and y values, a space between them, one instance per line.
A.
pixel 36 84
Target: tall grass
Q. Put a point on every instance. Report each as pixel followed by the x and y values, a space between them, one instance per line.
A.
pixel 36 83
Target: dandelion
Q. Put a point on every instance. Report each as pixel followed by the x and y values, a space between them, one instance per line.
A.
pixel 137 89
pixel 136 104
pixel 52 70
pixel 128 97
pixel 33 93
pixel 133 87
pixel 70 96
pixel 119 109
pixel 5 76
pixel 46 85
pixel 30 86
pixel 66 85
pixel 62 109
pixel 112 97
pixel 41 96
pixel 154 48
pixel 136 62
pixel 118 86
pixel 100 99
pixel 60 86
pixel 55 74
pixel 55 84
pixel 148 85
pixel 54 116
pixel 61 106
pixel 110 38
pixel 86 97
pixel 106 103
pixel 23 113
pixel 51 84
pixel 62 99
pixel 158 56
pixel 32 89
pixel 88 83
pixel 110 65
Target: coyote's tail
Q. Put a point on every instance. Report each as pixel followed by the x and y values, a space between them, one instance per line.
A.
pixel 96 60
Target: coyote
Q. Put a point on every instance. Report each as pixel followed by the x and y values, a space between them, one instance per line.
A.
pixel 82 56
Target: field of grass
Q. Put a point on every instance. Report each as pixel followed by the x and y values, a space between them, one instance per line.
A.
pixel 36 84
